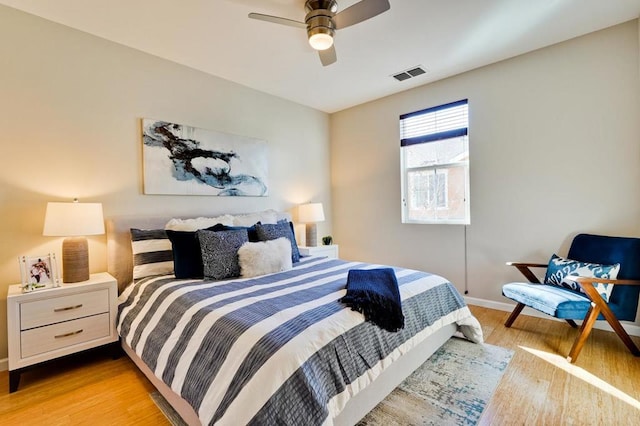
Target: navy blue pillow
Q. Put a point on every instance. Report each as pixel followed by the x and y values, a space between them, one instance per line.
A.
pixel 283 228
pixel 251 230
pixel 187 259
pixel 187 256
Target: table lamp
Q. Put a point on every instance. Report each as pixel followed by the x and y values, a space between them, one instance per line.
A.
pixel 74 221
pixel 310 214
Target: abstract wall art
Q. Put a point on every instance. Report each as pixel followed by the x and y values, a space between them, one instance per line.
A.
pixel 185 160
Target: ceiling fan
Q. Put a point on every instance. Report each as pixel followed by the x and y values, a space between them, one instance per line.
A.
pixel 323 19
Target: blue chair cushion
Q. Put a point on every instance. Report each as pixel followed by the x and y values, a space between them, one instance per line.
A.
pixel 556 301
pixel 560 268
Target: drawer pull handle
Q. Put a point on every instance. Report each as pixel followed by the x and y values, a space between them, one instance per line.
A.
pixel 68 334
pixel 68 308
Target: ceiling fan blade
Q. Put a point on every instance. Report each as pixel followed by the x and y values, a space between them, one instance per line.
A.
pixel 360 11
pixel 278 20
pixel 328 56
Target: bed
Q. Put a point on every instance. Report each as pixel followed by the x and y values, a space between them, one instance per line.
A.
pixel 278 348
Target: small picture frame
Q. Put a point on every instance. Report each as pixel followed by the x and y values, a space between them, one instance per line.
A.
pixel 39 272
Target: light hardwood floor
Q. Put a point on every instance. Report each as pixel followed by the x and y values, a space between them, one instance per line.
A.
pixel 538 387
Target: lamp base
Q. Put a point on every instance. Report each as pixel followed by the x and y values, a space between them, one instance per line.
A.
pixel 311 235
pixel 75 260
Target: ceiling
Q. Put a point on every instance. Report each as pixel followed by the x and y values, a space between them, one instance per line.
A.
pixel 446 37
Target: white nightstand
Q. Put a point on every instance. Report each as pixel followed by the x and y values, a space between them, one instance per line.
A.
pixel 329 251
pixel 47 324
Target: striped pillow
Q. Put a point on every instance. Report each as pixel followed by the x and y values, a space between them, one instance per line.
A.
pixel 151 253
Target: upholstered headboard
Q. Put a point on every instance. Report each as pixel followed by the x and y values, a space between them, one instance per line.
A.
pixel 119 254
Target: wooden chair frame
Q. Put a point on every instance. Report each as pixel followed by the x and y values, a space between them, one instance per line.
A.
pixel 598 306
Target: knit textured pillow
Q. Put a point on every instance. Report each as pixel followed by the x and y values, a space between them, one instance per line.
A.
pixel 220 252
pixel 266 232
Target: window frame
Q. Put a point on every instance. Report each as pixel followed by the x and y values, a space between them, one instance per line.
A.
pixel 443 168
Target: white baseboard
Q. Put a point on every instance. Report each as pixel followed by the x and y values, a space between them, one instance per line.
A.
pixel 631 328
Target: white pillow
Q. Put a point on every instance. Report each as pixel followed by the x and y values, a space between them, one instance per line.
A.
pixel 246 219
pixel 267 216
pixel 265 257
pixel 284 216
pixel 198 223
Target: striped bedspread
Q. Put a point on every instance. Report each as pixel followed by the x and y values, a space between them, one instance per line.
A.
pixel 275 349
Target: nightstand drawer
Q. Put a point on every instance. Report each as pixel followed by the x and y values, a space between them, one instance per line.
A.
pixel 330 251
pixel 56 336
pixel 65 308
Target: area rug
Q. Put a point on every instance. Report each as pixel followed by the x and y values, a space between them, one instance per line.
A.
pixel 451 388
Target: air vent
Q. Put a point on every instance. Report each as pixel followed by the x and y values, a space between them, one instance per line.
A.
pixel 402 76
pixel 416 72
pixel 407 74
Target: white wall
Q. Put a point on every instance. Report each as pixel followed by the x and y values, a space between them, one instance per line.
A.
pixel 70 110
pixel 554 144
pixel 555 150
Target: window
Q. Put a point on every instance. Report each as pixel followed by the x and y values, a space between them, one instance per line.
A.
pixel 429 188
pixel 434 152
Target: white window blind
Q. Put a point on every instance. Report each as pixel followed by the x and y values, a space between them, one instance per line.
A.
pixel 432 124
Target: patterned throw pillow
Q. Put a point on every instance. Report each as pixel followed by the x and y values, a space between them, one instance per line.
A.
pixel 151 253
pixel 559 268
pixel 220 252
pixel 266 232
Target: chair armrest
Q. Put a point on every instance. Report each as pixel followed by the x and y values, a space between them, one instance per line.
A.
pixel 581 280
pixel 587 285
pixel 528 265
pixel 523 267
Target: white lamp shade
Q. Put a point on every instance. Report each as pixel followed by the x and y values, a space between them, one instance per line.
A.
pixel 310 213
pixel 73 219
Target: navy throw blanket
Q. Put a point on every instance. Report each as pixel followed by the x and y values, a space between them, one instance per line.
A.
pixel 374 293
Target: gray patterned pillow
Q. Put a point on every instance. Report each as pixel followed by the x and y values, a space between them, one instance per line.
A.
pixel 266 232
pixel 220 252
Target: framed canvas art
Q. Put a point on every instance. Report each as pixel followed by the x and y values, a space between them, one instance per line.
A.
pixel 185 160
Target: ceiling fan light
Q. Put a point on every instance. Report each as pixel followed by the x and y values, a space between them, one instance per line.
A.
pixel 321 41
